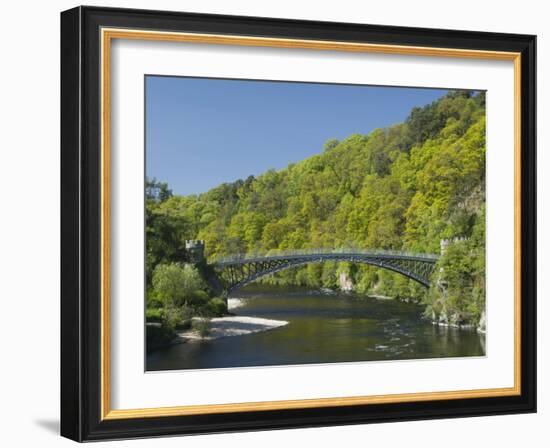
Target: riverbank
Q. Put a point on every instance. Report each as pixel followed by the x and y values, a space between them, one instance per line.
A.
pixel 454 322
pixel 322 328
pixel 219 327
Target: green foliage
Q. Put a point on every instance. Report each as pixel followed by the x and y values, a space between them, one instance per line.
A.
pixel 175 317
pixel 404 187
pixel 216 307
pixel 153 315
pixel 178 285
pixel 176 294
pixel 158 335
pixel 156 191
pixel 460 294
pixel 201 326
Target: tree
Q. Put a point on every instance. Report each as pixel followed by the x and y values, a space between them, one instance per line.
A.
pixel 156 191
pixel 176 285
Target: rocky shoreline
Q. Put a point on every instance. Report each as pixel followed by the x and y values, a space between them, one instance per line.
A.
pixel 346 285
pixel 454 322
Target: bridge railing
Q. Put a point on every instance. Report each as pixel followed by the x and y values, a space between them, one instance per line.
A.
pixel 275 253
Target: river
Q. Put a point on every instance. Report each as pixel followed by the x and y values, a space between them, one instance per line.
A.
pixel 317 327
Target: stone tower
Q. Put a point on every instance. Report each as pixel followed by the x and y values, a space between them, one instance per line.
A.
pixel 444 244
pixel 195 250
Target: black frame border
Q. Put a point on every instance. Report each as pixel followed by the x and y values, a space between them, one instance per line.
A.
pixel 81 223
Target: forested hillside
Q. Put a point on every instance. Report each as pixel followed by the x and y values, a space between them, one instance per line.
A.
pixel 408 187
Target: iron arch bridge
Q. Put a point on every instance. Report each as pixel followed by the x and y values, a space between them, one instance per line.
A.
pixel 240 270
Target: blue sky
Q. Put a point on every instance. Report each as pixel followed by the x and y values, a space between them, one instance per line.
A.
pixel 203 132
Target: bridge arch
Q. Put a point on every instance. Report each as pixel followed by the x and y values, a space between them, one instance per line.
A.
pixel 236 272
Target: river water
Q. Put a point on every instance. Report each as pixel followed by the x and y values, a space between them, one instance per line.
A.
pixel 321 328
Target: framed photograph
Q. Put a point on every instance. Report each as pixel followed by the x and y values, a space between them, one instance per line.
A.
pixel 273 223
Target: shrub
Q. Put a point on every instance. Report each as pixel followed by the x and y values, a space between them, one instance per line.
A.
pixel 158 335
pixel 216 307
pixel 173 317
pixel 152 301
pixel 201 326
pixel 198 298
pixel 153 315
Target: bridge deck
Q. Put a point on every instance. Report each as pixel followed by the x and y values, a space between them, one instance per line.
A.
pixel 324 253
